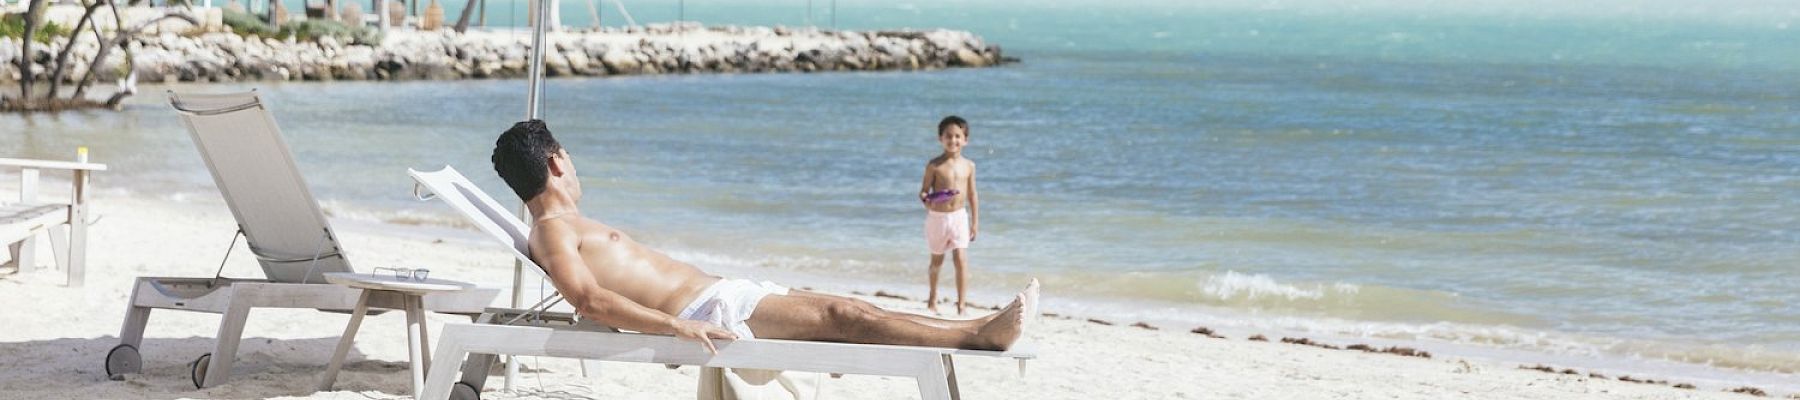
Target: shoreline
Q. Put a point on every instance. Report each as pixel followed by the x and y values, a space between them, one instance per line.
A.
pixel 282 364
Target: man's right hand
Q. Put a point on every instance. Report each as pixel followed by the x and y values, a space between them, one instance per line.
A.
pixel 703 332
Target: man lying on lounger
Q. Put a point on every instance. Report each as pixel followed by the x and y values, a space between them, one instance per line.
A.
pixel 615 281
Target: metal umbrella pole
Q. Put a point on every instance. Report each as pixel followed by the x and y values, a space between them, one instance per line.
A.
pixel 536 74
pixel 533 99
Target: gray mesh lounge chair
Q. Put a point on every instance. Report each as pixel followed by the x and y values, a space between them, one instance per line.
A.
pixel 282 226
pixel 539 333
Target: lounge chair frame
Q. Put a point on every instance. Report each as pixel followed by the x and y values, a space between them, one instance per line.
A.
pixel 476 346
pixel 282 226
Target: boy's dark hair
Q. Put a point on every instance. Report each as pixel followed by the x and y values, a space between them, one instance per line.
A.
pixel 953 121
pixel 522 157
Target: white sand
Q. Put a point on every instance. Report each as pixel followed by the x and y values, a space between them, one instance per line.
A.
pixel 54 339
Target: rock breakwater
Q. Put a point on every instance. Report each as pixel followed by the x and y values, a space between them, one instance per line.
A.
pixel 413 55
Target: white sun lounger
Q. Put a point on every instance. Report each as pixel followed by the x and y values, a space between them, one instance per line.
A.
pixel 567 335
pixel 282 226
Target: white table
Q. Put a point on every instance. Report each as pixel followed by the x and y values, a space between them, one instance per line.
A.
pixel 412 294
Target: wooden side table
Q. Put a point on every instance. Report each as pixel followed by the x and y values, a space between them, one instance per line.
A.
pixel 412 292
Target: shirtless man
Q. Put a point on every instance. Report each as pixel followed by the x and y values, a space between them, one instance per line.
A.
pixel 615 281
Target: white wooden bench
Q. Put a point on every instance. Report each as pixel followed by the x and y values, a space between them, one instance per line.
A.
pixel 21 221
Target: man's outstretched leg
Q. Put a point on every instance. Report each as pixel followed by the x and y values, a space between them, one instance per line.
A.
pixel 841 319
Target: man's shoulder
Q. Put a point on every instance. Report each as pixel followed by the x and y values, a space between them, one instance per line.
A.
pixel 553 232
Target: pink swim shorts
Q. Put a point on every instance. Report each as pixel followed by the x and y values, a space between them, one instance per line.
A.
pixel 947 230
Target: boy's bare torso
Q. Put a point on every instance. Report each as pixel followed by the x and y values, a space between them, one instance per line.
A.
pixel 945 173
pixel 624 266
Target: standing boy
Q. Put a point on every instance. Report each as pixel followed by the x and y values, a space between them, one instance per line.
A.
pixel 949 184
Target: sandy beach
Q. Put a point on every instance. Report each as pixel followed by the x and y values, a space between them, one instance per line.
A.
pixel 57 337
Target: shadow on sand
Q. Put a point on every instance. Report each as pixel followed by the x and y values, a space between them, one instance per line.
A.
pixel 75 368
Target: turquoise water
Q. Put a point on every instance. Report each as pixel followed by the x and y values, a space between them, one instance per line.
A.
pixel 1619 179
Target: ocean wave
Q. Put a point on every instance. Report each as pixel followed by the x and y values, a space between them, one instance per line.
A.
pixel 1235 286
pixel 407 217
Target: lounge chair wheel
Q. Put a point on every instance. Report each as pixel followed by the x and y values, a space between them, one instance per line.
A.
pixel 123 359
pixel 199 370
pixel 464 391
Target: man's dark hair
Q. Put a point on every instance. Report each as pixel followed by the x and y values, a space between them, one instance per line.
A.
pixel 522 157
pixel 953 121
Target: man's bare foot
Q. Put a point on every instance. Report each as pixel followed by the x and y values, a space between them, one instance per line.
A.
pixel 962 309
pixel 931 305
pixel 1007 326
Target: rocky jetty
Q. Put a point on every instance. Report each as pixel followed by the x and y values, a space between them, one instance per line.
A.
pixel 412 55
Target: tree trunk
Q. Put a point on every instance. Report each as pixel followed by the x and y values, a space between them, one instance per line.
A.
pixel 34 14
pixel 106 46
pixel 462 23
pixel 62 57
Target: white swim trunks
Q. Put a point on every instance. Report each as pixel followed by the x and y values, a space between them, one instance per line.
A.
pixel 729 302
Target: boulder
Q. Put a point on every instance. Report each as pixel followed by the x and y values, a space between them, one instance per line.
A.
pixel 483 69
pixel 963 57
pixel 212 20
pixel 9 51
pixel 578 61
pixel 438 68
pixel 620 62
pixel 555 64
pixel 594 47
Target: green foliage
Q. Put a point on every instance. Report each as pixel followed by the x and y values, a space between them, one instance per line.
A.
pixel 308 30
pixel 13 26
pixel 245 24
pixel 313 29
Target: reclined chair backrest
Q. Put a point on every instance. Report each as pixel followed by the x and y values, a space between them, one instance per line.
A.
pixel 255 172
pixel 479 208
